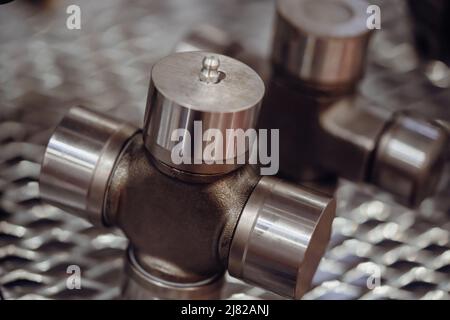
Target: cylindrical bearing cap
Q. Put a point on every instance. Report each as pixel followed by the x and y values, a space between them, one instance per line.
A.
pixel 410 158
pixel 281 236
pixel 191 93
pixel 79 160
pixel 322 42
pixel 139 284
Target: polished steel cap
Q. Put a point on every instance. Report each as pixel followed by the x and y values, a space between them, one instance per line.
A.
pixel 323 42
pixel 79 160
pixel 410 158
pixel 281 236
pixel 193 92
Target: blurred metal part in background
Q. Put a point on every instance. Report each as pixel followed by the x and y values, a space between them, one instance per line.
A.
pixel 325 132
pixel 410 158
pixel 321 42
pixel 106 64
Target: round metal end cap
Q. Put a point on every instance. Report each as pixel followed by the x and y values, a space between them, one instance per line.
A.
pixel 321 41
pixel 193 94
pixel 177 78
pixel 410 158
pixel 79 160
pixel 281 237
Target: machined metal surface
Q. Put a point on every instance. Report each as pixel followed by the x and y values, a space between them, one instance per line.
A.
pixel 281 236
pixel 353 126
pixel 340 134
pixel 320 41
pixel 318 55
pixel 181 231
pixel 79 159
pixel 410 158
pixel 115 50
pixel 198 92
pixel 402 153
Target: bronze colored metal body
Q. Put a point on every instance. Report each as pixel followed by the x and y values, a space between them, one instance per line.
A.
pixel 186 219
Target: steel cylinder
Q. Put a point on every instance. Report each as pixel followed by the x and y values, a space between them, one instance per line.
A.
pixel 322 42
pixel 79 160
pixel 410 158
pixel 194 96
pixel 281 236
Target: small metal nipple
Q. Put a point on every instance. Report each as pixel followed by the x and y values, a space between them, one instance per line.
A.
pixel 210 70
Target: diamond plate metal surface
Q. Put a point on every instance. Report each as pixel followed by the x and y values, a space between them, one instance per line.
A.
pixel 44 68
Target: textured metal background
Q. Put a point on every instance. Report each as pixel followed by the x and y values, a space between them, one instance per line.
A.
pixel 44 68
